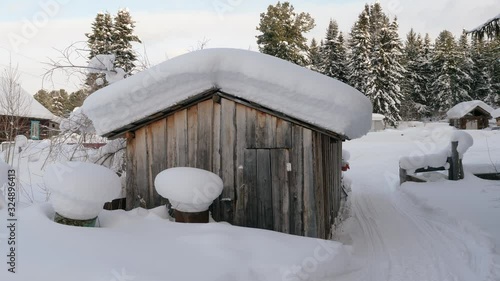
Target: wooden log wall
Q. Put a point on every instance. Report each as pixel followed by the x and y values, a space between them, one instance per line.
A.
pixel 277 175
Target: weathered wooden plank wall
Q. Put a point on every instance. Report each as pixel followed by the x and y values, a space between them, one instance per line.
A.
pixel 277 175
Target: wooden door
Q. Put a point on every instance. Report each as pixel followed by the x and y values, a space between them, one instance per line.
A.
pixel 265 175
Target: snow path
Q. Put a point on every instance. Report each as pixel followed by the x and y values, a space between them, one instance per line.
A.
pixel 396 237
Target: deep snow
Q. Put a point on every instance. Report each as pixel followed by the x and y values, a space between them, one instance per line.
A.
pixel 437 231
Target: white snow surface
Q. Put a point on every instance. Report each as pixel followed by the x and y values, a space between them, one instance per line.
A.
pixel 159 249
pixel 377 117
pixel 189 189
pixel 438 158
pixel 34 108
pixel 461 109
pixel 484 24
pixel 80 189
pixel 101 63
pixel 259 78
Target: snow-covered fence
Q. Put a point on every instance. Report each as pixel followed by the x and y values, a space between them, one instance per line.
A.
pixel 447 159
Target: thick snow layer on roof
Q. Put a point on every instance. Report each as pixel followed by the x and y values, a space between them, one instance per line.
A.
pixel 461 109
pixel 34 108
pixel 485 24
pixel 259 78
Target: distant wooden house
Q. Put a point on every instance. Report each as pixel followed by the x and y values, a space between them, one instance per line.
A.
pixel 247 117
pixel 496 115
pixel 31 119
pixel 470 115
pixel 378 122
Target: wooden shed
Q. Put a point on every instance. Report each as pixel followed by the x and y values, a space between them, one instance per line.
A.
pixel 470 115
pixel 280 163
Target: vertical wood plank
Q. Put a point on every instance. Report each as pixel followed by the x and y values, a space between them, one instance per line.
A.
pixel 296 182
pixel 280 189
pixel 142 176
pixel 192 131
pixel 319 183
pixel 309 214
pixel 205 134
pixel 171 142
pixel 181 143
pixel 265 130
pixel 131 191
pixel 251 119
pixel 217 205
pixel 157 144
pixel 228 169
pixel 250 218
pixel 241 196
pixel 283 134
pixel 264 190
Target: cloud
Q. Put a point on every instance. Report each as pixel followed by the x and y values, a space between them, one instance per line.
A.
pixel 170 33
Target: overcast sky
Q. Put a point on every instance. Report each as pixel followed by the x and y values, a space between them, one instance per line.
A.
pixel 33 30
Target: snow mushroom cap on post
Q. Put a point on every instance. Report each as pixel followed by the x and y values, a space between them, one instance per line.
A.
pixel 79 190
pixel 189 190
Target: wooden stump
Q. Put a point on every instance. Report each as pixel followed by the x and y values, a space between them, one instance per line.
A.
pixel 67 221
pixel 184 217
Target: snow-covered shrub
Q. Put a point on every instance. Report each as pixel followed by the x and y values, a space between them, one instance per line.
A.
pixel 79 190
pixel 189 190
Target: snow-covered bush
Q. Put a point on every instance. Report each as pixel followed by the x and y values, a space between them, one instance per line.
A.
pixel 79 190
pixel 189 190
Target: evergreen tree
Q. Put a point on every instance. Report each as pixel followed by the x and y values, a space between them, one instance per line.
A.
pixel 59 103
pixel 100 41
pixel 283 33
pixel 44 98
pixel 481 86
pixel 111 36
pixel 450 83
pixel 492 55
pixel 343 68
pixel 315 56
pixel 122 38
pixel 359 59
pixel 76 99
pixel 333 53
pixel 384 89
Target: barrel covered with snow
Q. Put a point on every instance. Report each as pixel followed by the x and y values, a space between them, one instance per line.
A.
pixel 189 189
pixel 79 190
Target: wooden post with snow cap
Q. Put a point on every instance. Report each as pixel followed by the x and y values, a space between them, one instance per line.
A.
pixel 191 191
pixel 454 172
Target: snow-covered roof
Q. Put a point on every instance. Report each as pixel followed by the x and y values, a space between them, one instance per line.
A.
pixel 461 109
pixel 266 80
pixel 34 110
pixel 495 113
pixel 377 117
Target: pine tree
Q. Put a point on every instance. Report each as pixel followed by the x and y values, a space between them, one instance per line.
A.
pixel 333 53
pixel 44 98
pixel 111 36
pixel 59 103
pixel 76 99
pixel 492 55
pixel 416 60
pixel 448 87
pixel 359 59
pixel 314 56
pixel 481 86
pixel 283 33
pixel 100 41
pixel 122 38
pixel 384 89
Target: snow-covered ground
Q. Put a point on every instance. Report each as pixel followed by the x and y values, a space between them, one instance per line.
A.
pixel 436 231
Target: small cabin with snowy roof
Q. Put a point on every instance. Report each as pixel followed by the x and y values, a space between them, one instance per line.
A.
pixel 470 115
pixel 496 115
pixel 31 118
pixel 270 129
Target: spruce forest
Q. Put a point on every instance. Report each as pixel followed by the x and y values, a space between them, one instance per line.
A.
pixel 411 78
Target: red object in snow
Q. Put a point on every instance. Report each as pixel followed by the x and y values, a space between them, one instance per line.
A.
pixel 345 167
